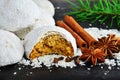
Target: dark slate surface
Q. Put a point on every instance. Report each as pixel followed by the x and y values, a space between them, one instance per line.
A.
pixel 102 72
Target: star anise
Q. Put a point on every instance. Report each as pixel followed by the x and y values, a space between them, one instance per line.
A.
pixel 118 45
pixel 92 55
pixel 108 45
pixel 118 42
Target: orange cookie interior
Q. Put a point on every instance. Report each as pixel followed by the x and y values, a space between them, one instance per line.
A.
pixel 52 43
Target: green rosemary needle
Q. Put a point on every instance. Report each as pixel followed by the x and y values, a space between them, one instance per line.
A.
pixel 93 10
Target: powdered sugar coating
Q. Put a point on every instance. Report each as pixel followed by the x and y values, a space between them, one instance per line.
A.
pixel 11 48
pixel 44 20
pixel 46 5
pixel 17 14
pixel 34 36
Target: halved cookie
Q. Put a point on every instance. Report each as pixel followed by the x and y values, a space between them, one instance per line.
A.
pixel 49 40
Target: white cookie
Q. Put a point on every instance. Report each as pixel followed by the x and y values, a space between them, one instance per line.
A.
pixel 34 36
pixel 11 48
pixel 46 5
pixel 18 14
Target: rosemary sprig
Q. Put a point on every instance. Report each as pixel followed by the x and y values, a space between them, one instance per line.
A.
pixel 97 10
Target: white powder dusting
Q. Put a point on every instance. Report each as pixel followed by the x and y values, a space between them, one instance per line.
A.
pixel 15 73
pixel 99 20
pixel 88 69
pixel 82 63
pixel 31 72
pixel 64 64
pixel 50 70
pixel 103 23
pixel 27 74
pixel 92 66
pixel 106 72
pixel 107 26
pixel 19 68
pixel 117 56
pixel 118 68
pixel 57 7
pixel 113 62
pixel 25 62
pixel 90 24
pixel 47 60
pixel 101 67
pixel 110 62
pixel 109 67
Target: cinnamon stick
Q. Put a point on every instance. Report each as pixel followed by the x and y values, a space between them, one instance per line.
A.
pixel 79 30
pixel 80 42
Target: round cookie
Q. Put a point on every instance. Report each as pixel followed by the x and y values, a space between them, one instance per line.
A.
pixel 50 39
pixel 46 5
pixel 11 48
pixel 18 14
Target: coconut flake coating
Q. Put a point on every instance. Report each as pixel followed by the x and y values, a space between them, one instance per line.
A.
pixel 35 35
pixel 11 48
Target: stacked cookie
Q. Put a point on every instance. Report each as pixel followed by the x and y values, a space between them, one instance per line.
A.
pixel 28 21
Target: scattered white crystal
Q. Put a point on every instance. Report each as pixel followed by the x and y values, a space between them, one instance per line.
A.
pixel 19 68
pixel 90 24
pixel 24 61
pixel 118 67
pixel 102 67
pixel 15 73
pixel 109 67
pixel 57 7
pixel 103 23
pixel 31 72
pixel 106 72
pixel 88 69
pixel 110 62
pixel 47 60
